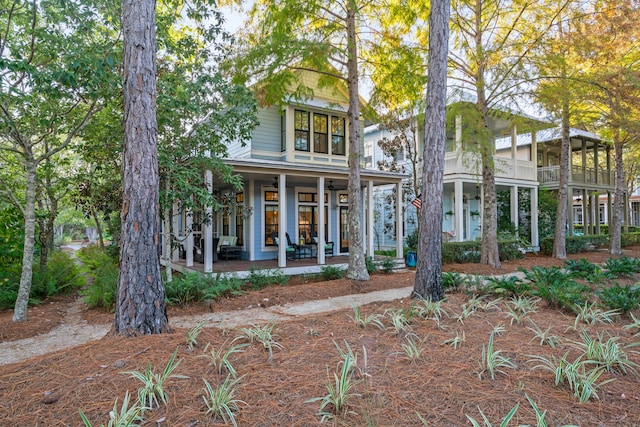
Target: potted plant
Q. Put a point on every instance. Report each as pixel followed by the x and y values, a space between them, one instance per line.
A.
pixel 412 253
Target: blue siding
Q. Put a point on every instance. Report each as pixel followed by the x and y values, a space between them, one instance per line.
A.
pixel 267 135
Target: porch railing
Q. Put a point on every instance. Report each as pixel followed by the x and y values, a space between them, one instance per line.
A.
pixel 551 174
pixel 470 163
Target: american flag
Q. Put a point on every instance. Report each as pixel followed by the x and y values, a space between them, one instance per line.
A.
pixel 417 202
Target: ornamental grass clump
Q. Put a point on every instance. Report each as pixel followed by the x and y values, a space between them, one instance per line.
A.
pixel 221 401
pixel 492 360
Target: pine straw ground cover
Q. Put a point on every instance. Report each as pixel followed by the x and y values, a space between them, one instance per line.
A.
pixel 443 385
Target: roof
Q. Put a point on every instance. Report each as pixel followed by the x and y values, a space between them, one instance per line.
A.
pixel 545 135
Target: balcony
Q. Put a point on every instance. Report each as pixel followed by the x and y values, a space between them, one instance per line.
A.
pixel 550 176
pixel 505 167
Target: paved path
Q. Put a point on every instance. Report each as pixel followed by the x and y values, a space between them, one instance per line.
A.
pixel 75 331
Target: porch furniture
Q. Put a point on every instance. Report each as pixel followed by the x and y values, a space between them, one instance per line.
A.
pixel 293 251
pixel 328 246
pixel 227 248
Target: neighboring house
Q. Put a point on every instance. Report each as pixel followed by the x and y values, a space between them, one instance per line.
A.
pixel 295 173
pixel 515 169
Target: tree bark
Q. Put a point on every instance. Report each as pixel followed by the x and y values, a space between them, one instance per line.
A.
pixel 560 239
pixel 615 237
pixel 428 283
pixel 22 301
pixel 140 301
pixel 357 265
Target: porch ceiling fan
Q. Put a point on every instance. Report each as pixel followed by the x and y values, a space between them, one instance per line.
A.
pixel 275 182
pixel 332 187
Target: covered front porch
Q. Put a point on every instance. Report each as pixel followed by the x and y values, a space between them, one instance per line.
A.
pixel 292 214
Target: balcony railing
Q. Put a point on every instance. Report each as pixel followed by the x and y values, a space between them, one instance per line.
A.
pixel 551 175
pixel 470 163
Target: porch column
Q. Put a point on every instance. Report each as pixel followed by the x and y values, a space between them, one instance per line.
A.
pixel 595 162
pixel 608 166
pixel 514 205
pixel 535 241
pixel 175 256
pixel 370 221
pixel 399 221
pixel 596 203
pixel 189 242
pixel 249 239
pixel 208 226
pixel 321 222
pixel 584 161
pixel 609 210
pixel 586 215
pixel 514 150
pixel 625 211
pixel 458 220
pixel 534 149
pixel 282 221
pixel 570 211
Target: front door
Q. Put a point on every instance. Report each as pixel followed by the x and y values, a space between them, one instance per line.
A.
pixel 344 229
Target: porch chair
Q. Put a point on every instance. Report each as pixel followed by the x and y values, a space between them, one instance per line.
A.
pixel 328 246
pixel 293 251
pixel 227 248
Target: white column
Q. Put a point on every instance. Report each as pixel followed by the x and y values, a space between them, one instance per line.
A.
pixel 175 256
pixel 458 220
pixel 321 222
pixel 514 205
pixel 458 140
pixel 208 227
pixel 514 149
pixel 535 242
pixel 189 242
pixel 399 221
pixel 282 221
pixel 249 239
pixel 370 220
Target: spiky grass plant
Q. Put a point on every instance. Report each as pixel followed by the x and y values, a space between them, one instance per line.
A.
pixel 400 321
pixel 582 381
pixel 456 341
pixel 262 334
pixel 545 336
pixel 466 312
pixel 219 359
pixel 192 335
pixel 633 326
pixel 492 360
pixel 609 354
pixel 221 401
pixel 498 329
pixel 590 314
pixel 125 417
pixel 412 348
pixel 505 421
pixel 153 388
pixel 361 321
pixel 519 308
pixel 428 309
pixel 339 391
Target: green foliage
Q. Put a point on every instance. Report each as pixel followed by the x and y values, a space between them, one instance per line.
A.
pixel 547 209
pixel 590 314
pixel 412 240
pixel 492 360
pixel 331 272
pixel 262 334
pixel 363 321
pixel 197 287
pixel 262 278
pixel 153 389
pixel 507 285
pixel 545 336
pixel 219 359
pixel 371 265
pixel 576 244
pixel 61 276
pixel 221 402
pixel 630 239
pixel 387 265
pixel 556 287
pixel 505 421
pixel 582 268
pixel 622 298
pixel 605 353
pixel 126 417
pixel 622 267
pixel 192 335
pixel 452 282
pixel 462 252
pixel 101 293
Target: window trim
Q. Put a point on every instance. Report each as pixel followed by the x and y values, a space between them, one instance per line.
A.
pixel 301 130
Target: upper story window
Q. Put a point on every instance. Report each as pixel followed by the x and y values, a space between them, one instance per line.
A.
pixel 283 133
pixel 337 136
pixel 320 130
pixel 302 130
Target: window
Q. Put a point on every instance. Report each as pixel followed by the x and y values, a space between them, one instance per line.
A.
pixel 577 214
pixel 302 130
pixel 343 198
pixel 283 132
pixel 601 214
pixel 308 216
pixel 239 218
pixel 320 129
pixel 270 216
pixel 226 219
pixel 337 136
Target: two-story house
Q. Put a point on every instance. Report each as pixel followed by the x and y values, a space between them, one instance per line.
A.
pixel 515 170
pixel 295 175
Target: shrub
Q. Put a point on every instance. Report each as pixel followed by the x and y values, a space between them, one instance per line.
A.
pixel 509 285
pixel 557 287
pixel 576 244
pixel 262 278
pixel 331 272
pixel 387 265
pixel 621 298
pixel 61 275
pixel 452 282
pixel 102 292
pixel 185 289
pixel 372 266
pixel 461 252
pixel 622 266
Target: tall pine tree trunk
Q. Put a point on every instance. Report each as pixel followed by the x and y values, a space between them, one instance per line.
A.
pixel 615 242
pixel 560 240
pixel 357 265
pixel 140 301
pixel 428 283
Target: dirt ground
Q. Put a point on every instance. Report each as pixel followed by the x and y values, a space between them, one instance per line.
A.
pixel 443 386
